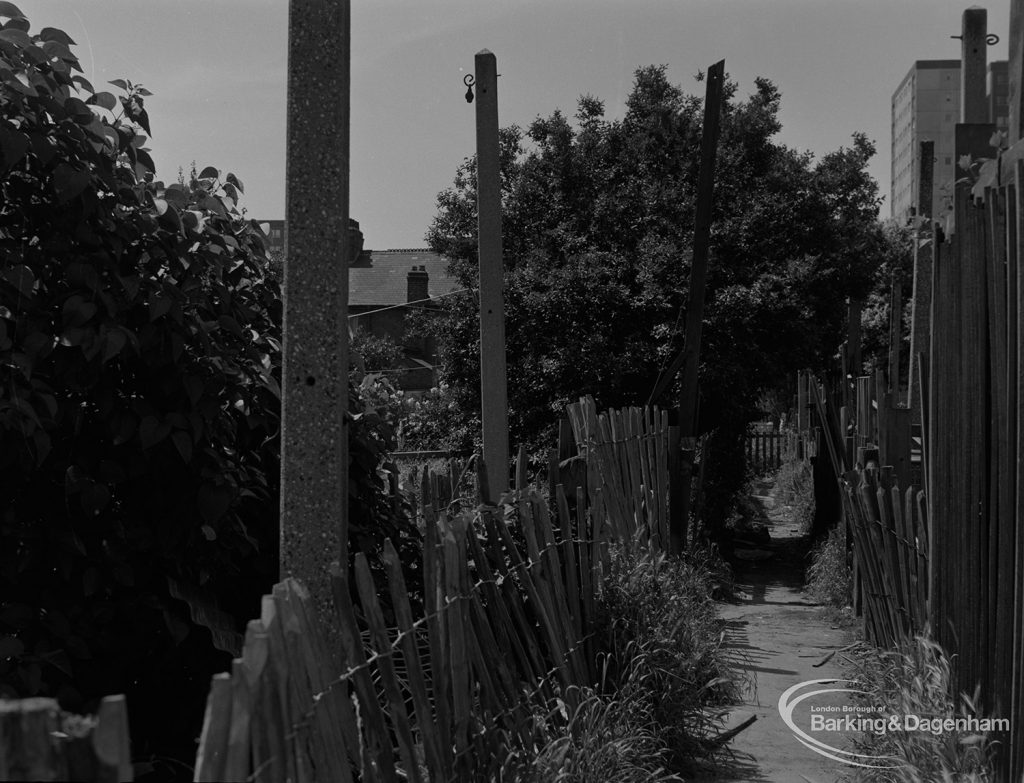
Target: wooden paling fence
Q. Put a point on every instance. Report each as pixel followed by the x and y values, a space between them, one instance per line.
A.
pixel 974 433
pixel 766 451
pixel 884 512
pixel 505 622
pixel 626 454
pixel 439 691
pixel 40 742
pixel 890 546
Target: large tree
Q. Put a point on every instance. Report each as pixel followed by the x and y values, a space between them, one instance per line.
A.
pixel 598 225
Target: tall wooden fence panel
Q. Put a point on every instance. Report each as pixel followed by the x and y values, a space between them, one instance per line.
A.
pixel 974 436
pixel 951 559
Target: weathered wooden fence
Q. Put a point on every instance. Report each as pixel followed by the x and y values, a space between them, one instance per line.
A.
pixel 766 450
pixel 963 441
pixel 38 741
pixel 889 530
pixel 508 622
pixel 974 438
pixel 626 458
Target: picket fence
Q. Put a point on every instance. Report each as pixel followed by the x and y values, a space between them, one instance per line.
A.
pixel 509 622
pixel 766 451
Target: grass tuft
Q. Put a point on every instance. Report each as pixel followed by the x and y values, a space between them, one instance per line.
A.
pixel 665 645
pixel 916 680
pixel 829 576
pixel 652 718
pixel 604 739
pixel 794 487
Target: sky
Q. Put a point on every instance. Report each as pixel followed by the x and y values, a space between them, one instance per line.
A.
pixel 218 73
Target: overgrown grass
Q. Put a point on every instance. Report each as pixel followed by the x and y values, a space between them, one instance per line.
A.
pixel 794 487
pixel 653 717
pixel 604 739
pixel 829 576
pixel 915 680
pixel 665 644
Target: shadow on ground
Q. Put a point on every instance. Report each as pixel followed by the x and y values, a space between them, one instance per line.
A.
pixel 780 637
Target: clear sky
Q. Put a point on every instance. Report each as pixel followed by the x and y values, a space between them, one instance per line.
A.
pixel 217 69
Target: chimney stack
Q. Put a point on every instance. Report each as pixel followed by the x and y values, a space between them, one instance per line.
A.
pixel 418 287
pixel 355 241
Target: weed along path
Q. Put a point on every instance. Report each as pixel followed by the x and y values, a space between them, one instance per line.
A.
pixel 781 638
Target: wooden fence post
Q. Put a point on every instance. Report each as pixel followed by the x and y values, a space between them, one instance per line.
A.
pixel 690 394
pixel 493 376
pixel 922 291
pixel 853 336
pixel 895 336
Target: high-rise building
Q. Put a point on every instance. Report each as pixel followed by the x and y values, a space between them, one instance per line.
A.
pixel 926 107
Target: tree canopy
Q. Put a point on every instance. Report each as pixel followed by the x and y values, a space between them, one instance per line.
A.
pixel 597 231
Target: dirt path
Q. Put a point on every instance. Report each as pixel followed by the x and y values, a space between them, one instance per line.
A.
pixel 783 637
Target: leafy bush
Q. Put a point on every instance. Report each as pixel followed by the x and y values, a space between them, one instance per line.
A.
pixel 375 353
pixel 139 367
pixel 140 364
pixel 436 420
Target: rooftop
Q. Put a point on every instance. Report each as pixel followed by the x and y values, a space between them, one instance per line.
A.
pixel 379 277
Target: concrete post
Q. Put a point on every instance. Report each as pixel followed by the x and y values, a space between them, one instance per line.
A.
pixel 314 435
pixel 973 54
pixel 493 380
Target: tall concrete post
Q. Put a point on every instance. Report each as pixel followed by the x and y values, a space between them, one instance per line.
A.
pixel 974 55
pixel 493 377
pixel 314 435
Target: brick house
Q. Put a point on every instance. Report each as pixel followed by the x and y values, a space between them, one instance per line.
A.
pixel 385 285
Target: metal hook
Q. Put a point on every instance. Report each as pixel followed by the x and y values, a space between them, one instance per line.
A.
pixel 991 38
pixel 469 80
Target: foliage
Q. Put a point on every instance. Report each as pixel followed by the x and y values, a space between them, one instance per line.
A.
pixel 794 487
pixel 896 266
pixel 597 230
pixel 829 577
pixel 140 364
pixel 376 353
pixel 604 739
pixel 916 679
pixel 665 666
pixel 663 639
pixel 436 420
pixel 377 508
